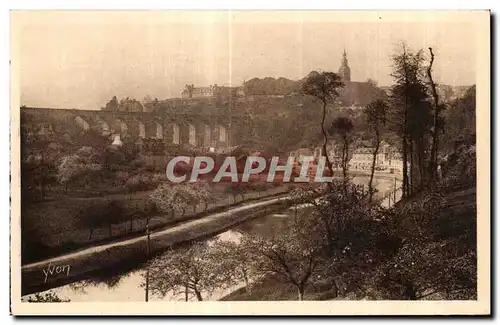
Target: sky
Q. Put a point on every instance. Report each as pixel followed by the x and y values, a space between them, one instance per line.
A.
pixel 82 59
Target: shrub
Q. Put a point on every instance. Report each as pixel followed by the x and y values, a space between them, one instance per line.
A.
pixel 139 182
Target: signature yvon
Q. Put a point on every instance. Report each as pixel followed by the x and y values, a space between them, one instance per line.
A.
pixel 53 270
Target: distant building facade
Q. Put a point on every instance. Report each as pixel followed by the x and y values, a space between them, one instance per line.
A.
pixel 212 91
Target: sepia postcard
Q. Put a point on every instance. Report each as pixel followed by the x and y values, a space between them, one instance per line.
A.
pixel 250 163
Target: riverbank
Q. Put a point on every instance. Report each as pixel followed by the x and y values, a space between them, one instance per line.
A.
pixel 119 256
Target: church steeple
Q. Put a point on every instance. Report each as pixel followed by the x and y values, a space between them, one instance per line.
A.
pixel 344 70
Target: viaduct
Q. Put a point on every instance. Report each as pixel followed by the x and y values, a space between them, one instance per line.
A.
pixel 197 130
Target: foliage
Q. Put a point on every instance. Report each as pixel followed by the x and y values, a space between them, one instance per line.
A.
pixel 460 119
pixel 343 128
pixel 410 116
pixel 49 296
pixel 438 255
pixel 236 259
pixel 376 116
pixel 291 255
pixel 170 198
pixel 140 182
pixel 459 170
pixel 191 271
pixel 101 213
pixel 76 169
pixel 324 86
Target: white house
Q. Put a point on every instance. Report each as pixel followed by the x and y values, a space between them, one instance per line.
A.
pixel 362 159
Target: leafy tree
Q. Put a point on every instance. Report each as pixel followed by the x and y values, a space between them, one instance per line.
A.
pixel 49 296
pixel 170 198
pixel 204 193
pixel 138 182
pixel 237 189
pixel 291 255
pixel 191 271
pixel 437 257
pixel 343 127
pixel 77 169
pixel 324 86
pixel 37 171
pixel 101 213
pixel 112 105
pixel 143 210
pixel 376 115
pixel 410 116
pixel 460 119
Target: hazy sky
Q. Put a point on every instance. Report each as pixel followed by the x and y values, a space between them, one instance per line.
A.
pixel 80 60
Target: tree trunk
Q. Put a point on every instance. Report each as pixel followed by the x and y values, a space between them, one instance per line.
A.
pixel 91 230
pixel 409 290
pixel 370 183
pixel 42 191
pixel 245 278
pixel 109 229
pixel 435 139
pixel 186 292
pixel 406 183
pixel 206 206
pixel 329 238
pixel 424 179
pixel 131 224
pixel 345 162
pixel 405 169
pixel 198 294
pixel 300 290
pixel 325 141
pixel 412 178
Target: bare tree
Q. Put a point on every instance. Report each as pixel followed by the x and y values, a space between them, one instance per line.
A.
pixel 436 123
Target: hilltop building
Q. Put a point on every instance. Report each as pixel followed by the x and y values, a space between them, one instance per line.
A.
pixel 212 91
pixel 344 70
pixel 356 94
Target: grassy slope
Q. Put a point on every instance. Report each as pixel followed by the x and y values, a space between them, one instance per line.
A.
pixel 274 290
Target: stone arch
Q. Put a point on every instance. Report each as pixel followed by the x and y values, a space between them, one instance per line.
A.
pixel 222 133
pixel 176 134
pixel 207 136
pixel 122 127
pixel 192 134
pixel 103 125
pixel 159 130
pixel 84 125
pixel 142 129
